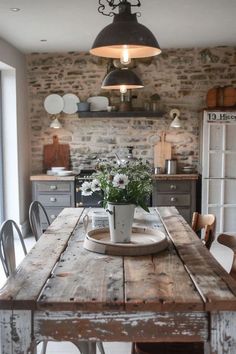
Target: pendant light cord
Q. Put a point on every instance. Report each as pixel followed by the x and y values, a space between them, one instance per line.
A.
pixel 114 4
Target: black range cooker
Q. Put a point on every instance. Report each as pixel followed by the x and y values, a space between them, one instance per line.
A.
pixel 86 201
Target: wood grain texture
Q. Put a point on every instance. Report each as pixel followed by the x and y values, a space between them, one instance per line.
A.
pixel 84 280
pixel 223 333
pixel 162 152
pixel 56 155
pixel 166 285
pixel 16 332
pixel 217 287
pixel 24 286
pixel 122 326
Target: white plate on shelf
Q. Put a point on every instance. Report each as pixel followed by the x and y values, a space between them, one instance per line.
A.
pixel 57 169
pixel 70 103
pixel 65 173
pixel 53 104
pixel 98 103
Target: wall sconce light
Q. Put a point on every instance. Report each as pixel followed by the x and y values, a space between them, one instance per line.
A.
pixel 174 114
pixel 55 124
pixel 121 79
pixel 124 38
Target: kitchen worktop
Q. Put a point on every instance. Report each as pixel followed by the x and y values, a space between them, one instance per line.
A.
pixel 178 176
pixel 44 177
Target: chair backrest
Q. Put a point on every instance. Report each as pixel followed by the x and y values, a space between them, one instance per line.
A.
pixel 206 222
pixel 8 230
pixel 36 213
pixel 229 241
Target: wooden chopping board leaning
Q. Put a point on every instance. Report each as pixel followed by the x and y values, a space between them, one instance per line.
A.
pixel 162 152
pixel 56 155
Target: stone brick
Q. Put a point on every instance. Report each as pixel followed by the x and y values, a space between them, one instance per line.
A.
pixel 181 77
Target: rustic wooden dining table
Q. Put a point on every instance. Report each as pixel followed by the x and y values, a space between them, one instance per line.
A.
pixel 63 292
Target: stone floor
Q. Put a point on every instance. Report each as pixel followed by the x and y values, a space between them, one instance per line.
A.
pixel 221 253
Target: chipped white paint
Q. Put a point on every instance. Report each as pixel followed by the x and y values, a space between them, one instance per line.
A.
pixel 16 333
pixel 120 326
pixel 223 332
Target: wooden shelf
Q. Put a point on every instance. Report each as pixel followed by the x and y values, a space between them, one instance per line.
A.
pixel 117 114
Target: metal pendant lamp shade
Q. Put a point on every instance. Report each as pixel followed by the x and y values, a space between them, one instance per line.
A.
pixel 121 78
pixel 125 37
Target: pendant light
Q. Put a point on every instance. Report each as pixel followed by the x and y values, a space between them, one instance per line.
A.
pixel 125 38
pixel 55 124
pixel 122 79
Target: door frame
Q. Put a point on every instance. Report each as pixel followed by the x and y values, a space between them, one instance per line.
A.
pixel 2 214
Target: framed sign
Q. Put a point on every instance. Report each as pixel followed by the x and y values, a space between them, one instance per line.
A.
pixel 224 117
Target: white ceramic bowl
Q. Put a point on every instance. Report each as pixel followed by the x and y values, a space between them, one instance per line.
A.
pixel 64 173
pixel 56 169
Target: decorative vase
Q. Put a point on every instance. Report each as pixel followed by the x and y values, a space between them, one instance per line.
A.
pixel 120 221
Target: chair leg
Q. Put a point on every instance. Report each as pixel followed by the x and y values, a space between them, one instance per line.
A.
pixel 86 347
pixel 44 347
pixel 101 347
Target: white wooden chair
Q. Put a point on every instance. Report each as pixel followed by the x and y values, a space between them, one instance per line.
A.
pixel 207 223
pixel 36 212
pixel 230 242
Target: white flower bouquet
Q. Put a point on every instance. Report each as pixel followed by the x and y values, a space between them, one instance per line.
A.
pixel 130 183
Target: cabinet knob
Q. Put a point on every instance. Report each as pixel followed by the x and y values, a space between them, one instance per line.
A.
pixel 79 204
pixel 173 199
pixel 173 186
pixel 52 199
pixel 53 187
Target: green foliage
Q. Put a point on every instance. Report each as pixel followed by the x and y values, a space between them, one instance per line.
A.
pixel 134 183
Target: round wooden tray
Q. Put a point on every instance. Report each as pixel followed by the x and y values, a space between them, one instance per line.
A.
pixel 144 241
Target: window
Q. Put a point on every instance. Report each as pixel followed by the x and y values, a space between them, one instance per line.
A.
pixel 1 159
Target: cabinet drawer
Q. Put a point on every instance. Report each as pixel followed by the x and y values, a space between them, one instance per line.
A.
pixel 57 200
pixel 53 186
pixel 52 214
pixel 173 186
pixel 173 199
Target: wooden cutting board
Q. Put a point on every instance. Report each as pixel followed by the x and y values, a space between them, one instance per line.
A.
pixel 162 152
pixel 56 155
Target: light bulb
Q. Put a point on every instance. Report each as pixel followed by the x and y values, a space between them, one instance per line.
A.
pixel 123 89
pixel 125 59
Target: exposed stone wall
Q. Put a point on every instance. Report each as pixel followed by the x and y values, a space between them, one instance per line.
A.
pixel 181 78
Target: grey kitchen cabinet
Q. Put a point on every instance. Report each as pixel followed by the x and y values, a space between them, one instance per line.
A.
pixel 180 193
pixel 55 195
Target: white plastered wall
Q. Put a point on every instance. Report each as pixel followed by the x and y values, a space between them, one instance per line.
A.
pixel 16 149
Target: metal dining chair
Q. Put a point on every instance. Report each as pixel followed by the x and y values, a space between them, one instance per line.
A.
pixel 36 213
pixel 207 223
pixel 7 245
pixel 9 229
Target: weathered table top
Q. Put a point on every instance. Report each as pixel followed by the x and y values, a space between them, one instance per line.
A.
pixel 59 274
pixel 63 292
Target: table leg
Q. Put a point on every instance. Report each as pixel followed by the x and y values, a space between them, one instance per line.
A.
pixel 223 332
pixel 16 332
